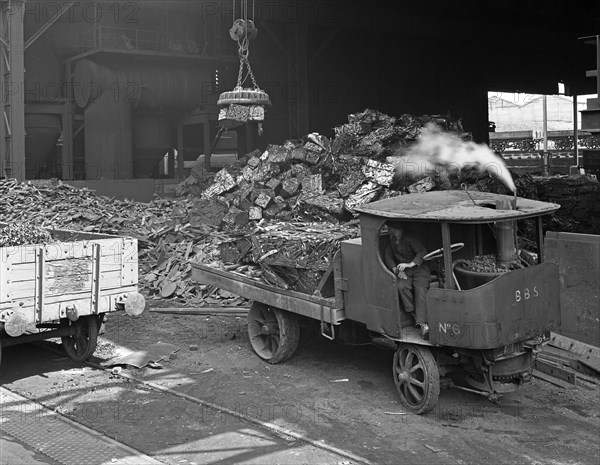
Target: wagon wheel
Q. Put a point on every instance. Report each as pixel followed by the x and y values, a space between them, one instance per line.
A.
pixel 80 346
pixel 417 378
pixel 274 333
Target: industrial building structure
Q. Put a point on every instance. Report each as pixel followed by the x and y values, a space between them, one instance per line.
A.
pixel 103 91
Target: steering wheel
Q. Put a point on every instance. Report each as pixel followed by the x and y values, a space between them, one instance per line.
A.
pixel 439 252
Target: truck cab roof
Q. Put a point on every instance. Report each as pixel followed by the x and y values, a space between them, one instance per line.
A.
pixel 456 206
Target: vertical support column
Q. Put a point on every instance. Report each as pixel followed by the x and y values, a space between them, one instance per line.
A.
pixel 171 164
pixel 67 136
pixel 298 75
pixel 448 271
pixel 12 156
pixel 575 131
pixel 3 79
pixel 598 66
pixel 180 157
pixel 545 158
pixel 68 159
pixel 207 144
pixel 540 239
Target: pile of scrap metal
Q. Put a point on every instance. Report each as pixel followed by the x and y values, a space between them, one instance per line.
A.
pixel 286 208
pixel 579 198
pixel 315 179
pixel 16 234
pixel 54 204
pixel 169 232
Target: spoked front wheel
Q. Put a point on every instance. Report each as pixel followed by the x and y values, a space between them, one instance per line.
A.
pixel 274 333
pixel 417 377
pixel 81 345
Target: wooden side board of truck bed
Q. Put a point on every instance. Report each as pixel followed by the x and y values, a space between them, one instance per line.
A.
pixel 329 310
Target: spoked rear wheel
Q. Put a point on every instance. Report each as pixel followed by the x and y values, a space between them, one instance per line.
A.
pixel 417 377
pixel 81 345
pixel 274 333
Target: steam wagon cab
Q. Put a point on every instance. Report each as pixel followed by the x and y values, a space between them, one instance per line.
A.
pixel 490 303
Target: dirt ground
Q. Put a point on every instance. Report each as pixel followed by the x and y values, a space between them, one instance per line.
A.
pixel 340 394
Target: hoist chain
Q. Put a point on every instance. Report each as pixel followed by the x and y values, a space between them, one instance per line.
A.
pixel 243 41
pixel 243 53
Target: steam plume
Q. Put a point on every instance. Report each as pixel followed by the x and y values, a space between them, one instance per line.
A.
pixel 437 149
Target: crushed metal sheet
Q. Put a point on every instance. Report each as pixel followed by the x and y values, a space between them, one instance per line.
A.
pixel 154 353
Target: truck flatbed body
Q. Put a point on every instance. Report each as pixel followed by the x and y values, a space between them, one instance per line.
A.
pixel 327 309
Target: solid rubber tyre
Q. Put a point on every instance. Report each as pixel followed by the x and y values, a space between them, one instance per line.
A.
pixel 417 377
pixel 274 333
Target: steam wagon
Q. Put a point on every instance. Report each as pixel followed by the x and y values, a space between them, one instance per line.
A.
pixel 485 324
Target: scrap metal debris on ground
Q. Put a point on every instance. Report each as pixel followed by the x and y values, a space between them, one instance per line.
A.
pixel 565 361
pixel 150 356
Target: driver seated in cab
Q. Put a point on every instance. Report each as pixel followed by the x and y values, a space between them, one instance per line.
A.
pixel 404 257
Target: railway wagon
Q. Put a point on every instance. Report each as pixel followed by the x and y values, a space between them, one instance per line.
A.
pixel 66 287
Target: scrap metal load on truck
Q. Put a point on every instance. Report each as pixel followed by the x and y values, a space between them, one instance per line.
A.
pixel 484 325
